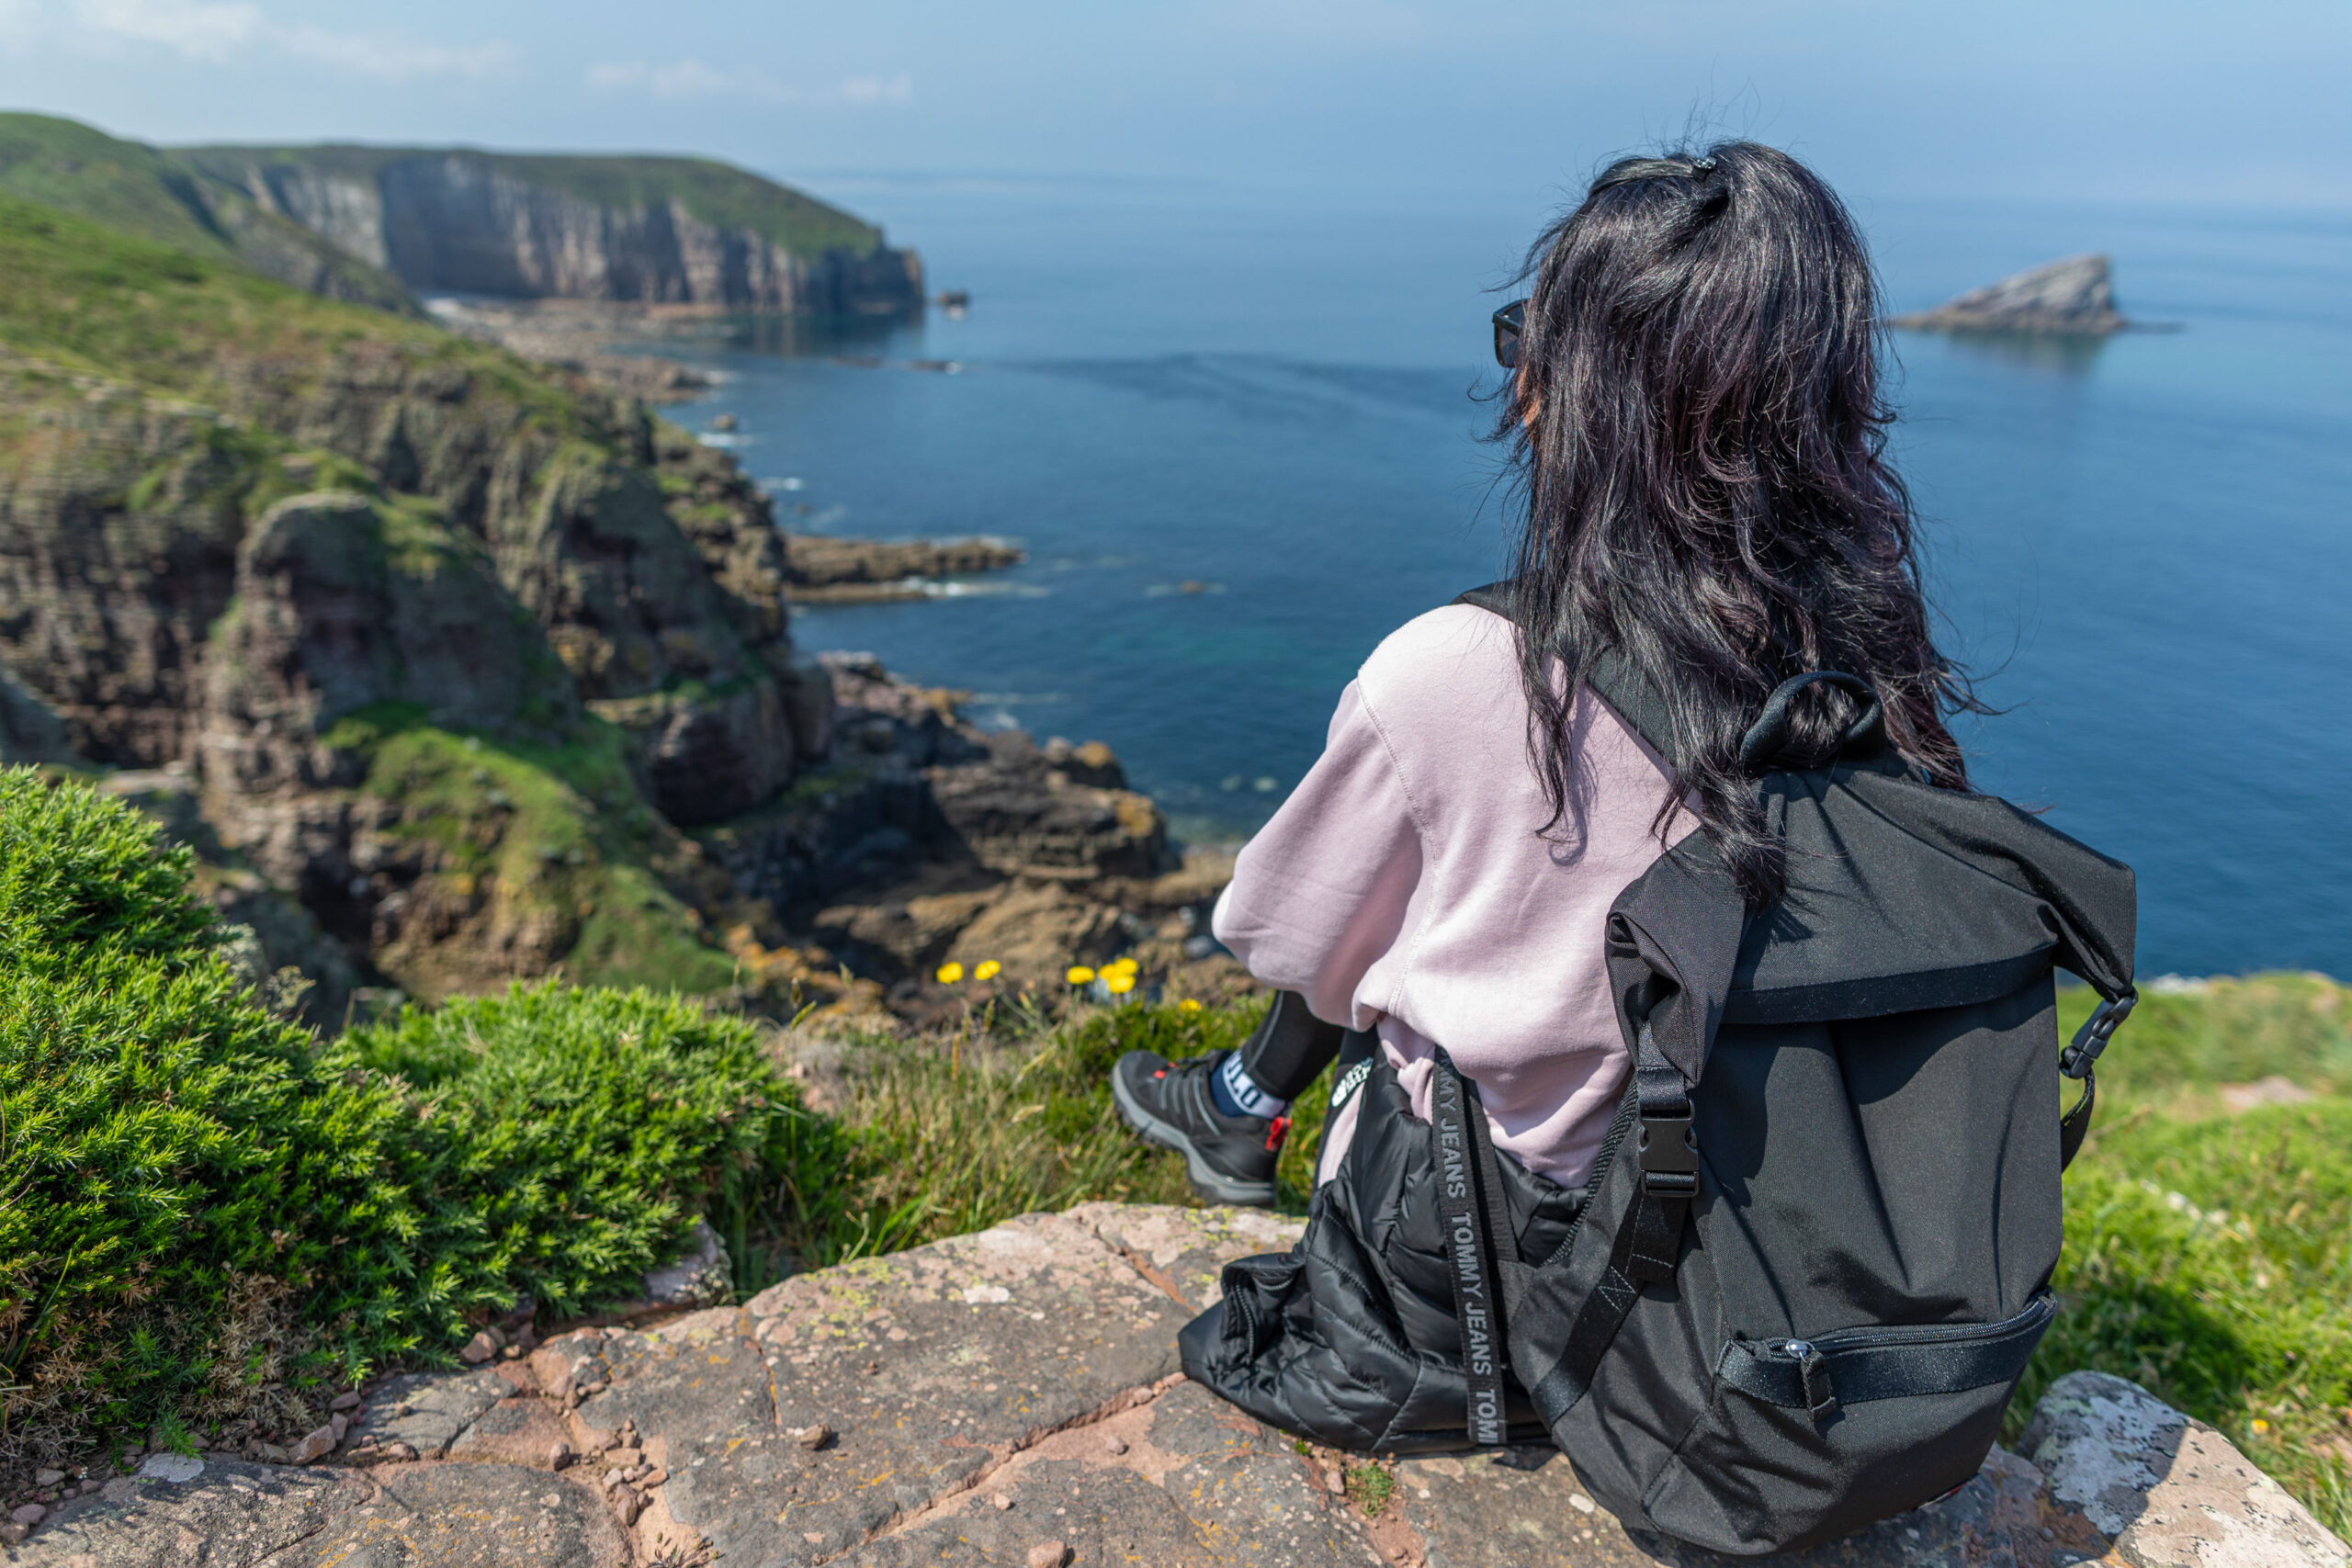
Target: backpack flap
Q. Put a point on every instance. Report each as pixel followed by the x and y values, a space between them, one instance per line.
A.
pixel 1902 896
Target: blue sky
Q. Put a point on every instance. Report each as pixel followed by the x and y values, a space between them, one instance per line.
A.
pixel 2136 101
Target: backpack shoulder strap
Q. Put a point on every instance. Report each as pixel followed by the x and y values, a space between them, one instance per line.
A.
pixel 1629 692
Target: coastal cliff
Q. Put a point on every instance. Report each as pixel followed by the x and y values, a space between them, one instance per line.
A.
pixel 441 646
pixel 634 231
pixel 459 669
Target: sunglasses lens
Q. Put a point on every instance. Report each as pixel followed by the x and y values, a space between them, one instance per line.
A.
pixel 1507 328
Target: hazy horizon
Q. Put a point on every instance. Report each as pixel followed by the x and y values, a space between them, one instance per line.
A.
pixel 1306 99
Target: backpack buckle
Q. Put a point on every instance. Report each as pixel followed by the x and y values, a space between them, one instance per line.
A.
pixel 2076 1060
pixel 1670 1155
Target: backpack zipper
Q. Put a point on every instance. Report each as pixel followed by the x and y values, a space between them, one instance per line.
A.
pixel 1926 1334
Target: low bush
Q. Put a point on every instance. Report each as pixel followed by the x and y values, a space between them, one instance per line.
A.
pixel 176 1165
pixel 558 1143
pixel 207 1217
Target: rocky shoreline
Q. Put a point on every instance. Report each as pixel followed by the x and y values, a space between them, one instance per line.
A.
pixel 923 841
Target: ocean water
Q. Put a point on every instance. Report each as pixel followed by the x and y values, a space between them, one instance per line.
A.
pixel 1241 440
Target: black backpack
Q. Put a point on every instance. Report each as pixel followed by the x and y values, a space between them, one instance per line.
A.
pixel 1812 1257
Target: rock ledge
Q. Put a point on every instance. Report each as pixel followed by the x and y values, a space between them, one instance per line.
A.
pixel 1012 1397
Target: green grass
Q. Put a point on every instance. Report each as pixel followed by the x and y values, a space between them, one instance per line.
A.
pixel 125 184
pixel 556 828
pixel 91 298
pixel 132 187
pixel 2209 1255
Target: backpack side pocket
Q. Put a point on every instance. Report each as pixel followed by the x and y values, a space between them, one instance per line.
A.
pixel 1810 1438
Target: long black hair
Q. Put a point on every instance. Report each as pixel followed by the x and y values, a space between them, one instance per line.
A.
pixel 1700 447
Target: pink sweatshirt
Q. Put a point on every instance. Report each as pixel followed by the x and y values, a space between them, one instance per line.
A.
pixel 1403 887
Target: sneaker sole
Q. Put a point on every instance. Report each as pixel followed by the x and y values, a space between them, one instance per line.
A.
pixel 1206 1181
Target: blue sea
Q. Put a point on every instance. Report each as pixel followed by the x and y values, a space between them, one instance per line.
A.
pixel 1242 439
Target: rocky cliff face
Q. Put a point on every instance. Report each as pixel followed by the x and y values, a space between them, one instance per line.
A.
pixel 470 670
pixel 445 645
pixel 466 222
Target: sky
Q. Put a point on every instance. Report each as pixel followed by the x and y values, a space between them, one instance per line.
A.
pixel 2244 103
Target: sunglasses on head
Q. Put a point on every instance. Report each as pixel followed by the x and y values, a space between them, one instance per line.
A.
pixel 1509 322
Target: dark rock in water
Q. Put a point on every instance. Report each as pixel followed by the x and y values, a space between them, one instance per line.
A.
pixel 2075 296
pixel 825 570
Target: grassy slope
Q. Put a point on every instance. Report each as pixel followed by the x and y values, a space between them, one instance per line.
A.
pixel 562 827
pixel 89 297
pixel 60 163
pixel 717 193
pixel 131 188
pixel 2208 1255
pixel 76 295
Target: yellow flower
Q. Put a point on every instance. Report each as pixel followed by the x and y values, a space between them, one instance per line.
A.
pixel 950 973
pixel 1079 974
pixel 1120 967
pixel 1119 984
pixel 1190 1004
pixel 988 969
pixel 2261 1425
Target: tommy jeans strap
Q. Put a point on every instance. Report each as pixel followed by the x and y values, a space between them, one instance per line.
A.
pixel 1463 1213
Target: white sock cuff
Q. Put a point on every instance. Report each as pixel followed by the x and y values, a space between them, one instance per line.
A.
pixel 1253 1100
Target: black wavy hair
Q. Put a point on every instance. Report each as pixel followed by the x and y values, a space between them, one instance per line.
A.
pixel 1700 445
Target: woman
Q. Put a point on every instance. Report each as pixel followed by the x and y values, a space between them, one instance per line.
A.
pixel 1699 437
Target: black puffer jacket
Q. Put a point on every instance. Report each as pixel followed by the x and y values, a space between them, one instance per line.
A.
pixel 1361 1353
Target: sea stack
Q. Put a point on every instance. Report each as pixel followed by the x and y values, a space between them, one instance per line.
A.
pixel 2075 297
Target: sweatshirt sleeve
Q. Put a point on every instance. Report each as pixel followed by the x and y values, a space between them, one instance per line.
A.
pixel 1320 893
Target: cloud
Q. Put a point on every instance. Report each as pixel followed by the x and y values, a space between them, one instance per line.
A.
pixel 692 78
pixel 683 79
pixel 393 58
pixel 219 30
pixel 896 91
pixel 201 30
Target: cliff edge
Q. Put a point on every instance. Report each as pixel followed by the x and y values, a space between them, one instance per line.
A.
pixel 1013 1397
pixel 625 230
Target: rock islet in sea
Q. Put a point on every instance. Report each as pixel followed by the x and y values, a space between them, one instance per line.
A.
pixel 2075 298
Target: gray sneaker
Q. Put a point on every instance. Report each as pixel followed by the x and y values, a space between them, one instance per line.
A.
pixel 1230 1159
